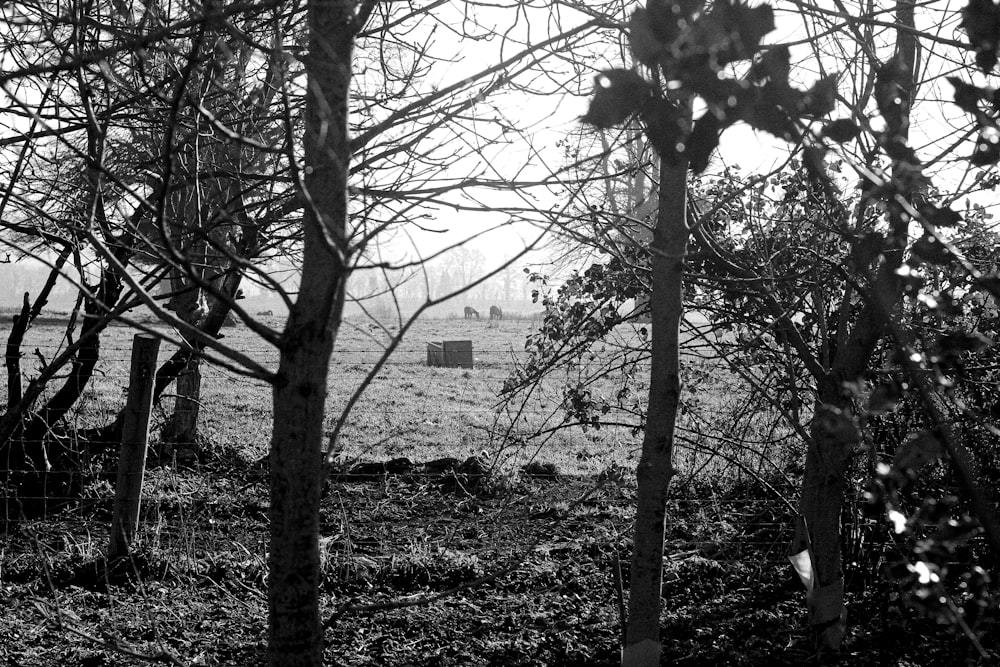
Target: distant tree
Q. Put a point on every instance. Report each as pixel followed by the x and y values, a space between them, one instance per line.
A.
pixel 444 283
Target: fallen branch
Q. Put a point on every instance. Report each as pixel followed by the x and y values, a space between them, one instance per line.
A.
pixel 60 619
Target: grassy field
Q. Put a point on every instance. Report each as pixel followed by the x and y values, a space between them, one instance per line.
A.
pixel 409 409
pixel 423 413
pixel 432 569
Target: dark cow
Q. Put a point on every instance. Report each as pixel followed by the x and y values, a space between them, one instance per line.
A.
pixel 496 313
pixel 471 312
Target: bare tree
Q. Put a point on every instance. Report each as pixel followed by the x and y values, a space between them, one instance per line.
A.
pixel 292 169
pixel 838 351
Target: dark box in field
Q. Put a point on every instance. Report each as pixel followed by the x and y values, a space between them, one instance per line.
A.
pixel 450 353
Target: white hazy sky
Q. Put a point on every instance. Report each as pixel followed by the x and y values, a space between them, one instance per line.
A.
pixel 549 118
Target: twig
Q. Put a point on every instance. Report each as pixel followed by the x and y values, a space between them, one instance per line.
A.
pixel 349 606
pixel 53 611
pixel 108 642
pixel 959 620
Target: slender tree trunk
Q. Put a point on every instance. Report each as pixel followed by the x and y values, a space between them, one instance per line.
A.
pixel 184 421
pixel 82 368
pixel 12 357
pixel 188 302
pixel 295 631
pixel 19 327
pixel 655 470
pixel 39 466
pixel 821 502
pixel 829 451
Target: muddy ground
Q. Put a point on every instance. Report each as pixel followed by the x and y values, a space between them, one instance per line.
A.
pixel 441 569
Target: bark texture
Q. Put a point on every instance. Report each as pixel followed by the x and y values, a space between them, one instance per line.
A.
pixel 831 443
pixel 295 631
pixel 655 470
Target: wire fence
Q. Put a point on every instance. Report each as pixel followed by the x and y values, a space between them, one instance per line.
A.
pixel 430 464
pixel 190 515
pixel 435 487
pixel 404 400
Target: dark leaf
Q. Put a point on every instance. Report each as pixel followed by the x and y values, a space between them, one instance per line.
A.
pixel 724 93
pixel 618 93
pixel 967 96
pixel 987 151
pixel 981 22
pixel 772 65
pixel 946 305
pixel 957 342
pixel 991 284
pixel 841 130
pixel 883 398
pixel 704 139
pixel 986 59
pixel 918 450
pixel 666 16
pixel 770 118
pixel 874 188
pixel 892 85
pixel 646 47
pixel 940 217
pixel 866 249
pixel 929 249
pixel 743 27
pixel 821 98
pixel 835 424
pixel 779 93
pixel 664 127
pixel 684 9
pixel 814 160
pixel 897 149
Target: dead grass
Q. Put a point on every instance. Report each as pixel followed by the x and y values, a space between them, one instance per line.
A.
pixel 409 409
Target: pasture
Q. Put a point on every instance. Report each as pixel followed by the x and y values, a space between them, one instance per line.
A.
pixel 408 410
pixel 519 563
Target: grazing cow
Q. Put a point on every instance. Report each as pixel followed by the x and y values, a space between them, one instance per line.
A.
pixel 496 313
pixel 471 312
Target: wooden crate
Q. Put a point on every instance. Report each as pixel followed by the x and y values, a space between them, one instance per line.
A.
pixel 435 354
pixel 450 354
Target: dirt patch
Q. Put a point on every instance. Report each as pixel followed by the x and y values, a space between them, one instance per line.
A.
pixel 520 571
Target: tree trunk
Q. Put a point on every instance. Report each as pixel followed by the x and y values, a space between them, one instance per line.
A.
pixel 293 585
pixel 830 446
pixel 295 631
pixel 821 502
pixel 40 467
pixel 19 327
pixel 183 425
pixel 655 470
pixel 12 356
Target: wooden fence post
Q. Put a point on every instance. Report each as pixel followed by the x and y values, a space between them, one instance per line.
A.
pixel 135 435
